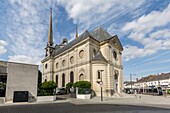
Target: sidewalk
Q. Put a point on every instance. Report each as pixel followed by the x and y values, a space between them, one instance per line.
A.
pixel 127 99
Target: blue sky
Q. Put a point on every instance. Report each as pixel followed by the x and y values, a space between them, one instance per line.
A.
pixel 143 27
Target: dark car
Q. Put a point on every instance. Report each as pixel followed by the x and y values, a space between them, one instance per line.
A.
pixel 60 91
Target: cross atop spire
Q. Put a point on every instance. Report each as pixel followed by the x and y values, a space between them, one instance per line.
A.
pixel 50 31
pixel 76 31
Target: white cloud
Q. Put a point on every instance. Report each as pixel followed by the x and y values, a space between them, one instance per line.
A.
pixel 150 31
pixel 2 46
pixel 131 52
pixel 90 13
pixel 147 23
pixel 25 59
pixel 28 26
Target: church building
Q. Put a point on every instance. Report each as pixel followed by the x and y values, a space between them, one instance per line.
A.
pixel 92 56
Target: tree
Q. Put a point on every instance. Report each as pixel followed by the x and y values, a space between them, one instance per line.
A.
pixel 48 88
pixel 39 78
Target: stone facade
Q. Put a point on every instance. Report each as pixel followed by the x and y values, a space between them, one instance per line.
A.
pixel 82 58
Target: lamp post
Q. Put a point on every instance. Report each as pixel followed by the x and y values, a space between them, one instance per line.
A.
pixel 131 79
pixel 101 83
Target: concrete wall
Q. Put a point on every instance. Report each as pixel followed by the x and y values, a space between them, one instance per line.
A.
pixel 21 77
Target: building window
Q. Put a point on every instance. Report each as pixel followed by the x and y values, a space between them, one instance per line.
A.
pixel 81 54
pixel 56 65
pixel 116 76
pixel 45 80
pixel 81 77
pixel 63 80
pixel 71 77
pixel 63 62
pixel 56 79
pixel 94 53
pixel 114 54
pixel 46 66
pixel 72 60
pixel 98 75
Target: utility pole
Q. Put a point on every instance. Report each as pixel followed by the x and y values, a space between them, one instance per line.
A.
pixel 131 80
pixel 101 83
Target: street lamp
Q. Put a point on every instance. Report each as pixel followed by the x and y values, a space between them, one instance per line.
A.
pixel 101 83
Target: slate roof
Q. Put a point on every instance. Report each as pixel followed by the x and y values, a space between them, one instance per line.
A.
pixel 99 34
pixel 85 35
pixel 99 57
pixel 3 69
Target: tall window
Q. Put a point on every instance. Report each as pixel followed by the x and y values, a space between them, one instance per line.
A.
pixel 71 77
pixel 56 79
pixel 116 76
pixel 63 80
pixel 98 75
pixel 114 54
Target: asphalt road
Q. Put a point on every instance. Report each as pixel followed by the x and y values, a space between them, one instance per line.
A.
pixel 86 108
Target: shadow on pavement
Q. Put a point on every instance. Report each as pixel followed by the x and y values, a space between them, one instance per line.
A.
pixel 86 108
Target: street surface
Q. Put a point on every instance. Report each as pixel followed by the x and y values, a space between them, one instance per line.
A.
pixel 86 108
pixel 65 104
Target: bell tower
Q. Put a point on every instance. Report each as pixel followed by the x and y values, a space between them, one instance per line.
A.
pixel 49 48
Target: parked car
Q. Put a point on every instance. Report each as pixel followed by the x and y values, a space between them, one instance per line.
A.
pixel 60 91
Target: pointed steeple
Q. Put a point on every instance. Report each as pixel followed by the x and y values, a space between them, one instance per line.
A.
pixel 50 31
pixel 49 48
pixel 76 31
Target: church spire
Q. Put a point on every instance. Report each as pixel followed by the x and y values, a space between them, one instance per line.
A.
pixel 76 31
pixel 50 31
pixel 49 48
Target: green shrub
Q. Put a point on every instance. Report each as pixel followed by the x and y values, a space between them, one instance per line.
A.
pixel 48 88
pixel 69 85
pixel 82 84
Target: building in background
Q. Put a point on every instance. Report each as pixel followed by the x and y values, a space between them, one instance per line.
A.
pixel 83 58
pixel 150 82
pixel 19 77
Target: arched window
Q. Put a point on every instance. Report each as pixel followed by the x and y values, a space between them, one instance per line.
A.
pixel 63 62
pixel 114 54
pixel 116 76
pixel 94 52
pixel 56 65
pixel 63 80
pixel 56 79
pixel 71 77
pixel 81 77
pixel 46 66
